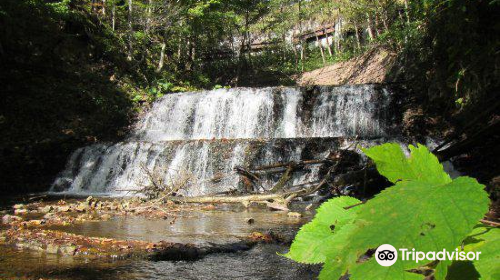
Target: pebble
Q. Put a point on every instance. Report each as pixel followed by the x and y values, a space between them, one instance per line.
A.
pixel 6 219
pixel 52 249
pixel 105 217
pixel 82 207
pixel 64 209
pixel 294 215
pixel 47 209
pixel 67 250
pixel 20 211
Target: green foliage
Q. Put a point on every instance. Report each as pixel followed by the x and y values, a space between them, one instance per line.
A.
pixel 61 7
pixel 425 210
pixel 422 165
pixel 486 240
pixel 160 88
pixel 330 226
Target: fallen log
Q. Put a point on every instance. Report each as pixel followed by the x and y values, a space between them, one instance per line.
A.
pixel 247 173
pixel 285 165
pixel 285 177
pixel 246 200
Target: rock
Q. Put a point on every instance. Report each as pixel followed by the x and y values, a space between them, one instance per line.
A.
pixel 258 236
pixel 278 206
pixel 82 207
pixel 98 205
pixel 68 249
pixel 19 206
pixel 20 211
pixel 49 216
pixel 47 209
pixel 7 219
pixel 64 208
pixel 294 215
pixel 52 249
pixel 105 217
pixel 125 205
pixel 250 221
pixel 35 246
pixel 36 222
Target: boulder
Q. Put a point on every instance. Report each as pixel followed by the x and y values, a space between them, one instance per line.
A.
pixel 7 219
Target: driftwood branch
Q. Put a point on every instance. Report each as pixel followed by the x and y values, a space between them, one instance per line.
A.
pixel 244 199
pixel 247 173
pixel 285 177
pixel 284 166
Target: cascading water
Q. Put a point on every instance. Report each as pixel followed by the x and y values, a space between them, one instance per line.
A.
pixel 202 136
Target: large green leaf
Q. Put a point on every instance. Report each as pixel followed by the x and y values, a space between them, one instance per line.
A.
pixel 487 241
pixel 425 210
pixel 422 165
pixel 391 162
pixel 328 230
pixel 410 215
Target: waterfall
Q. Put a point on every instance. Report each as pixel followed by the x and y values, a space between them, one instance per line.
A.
pixel 202 136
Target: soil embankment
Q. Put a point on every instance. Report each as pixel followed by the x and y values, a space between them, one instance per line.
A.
pixel 371 67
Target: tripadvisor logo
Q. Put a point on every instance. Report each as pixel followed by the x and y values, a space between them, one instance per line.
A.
pixel 387 255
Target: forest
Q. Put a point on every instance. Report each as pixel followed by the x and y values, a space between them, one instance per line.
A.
pixel 265 139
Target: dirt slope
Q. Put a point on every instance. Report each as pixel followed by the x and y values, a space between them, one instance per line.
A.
pixel 371 67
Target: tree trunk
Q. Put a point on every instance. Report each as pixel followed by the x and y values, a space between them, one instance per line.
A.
pixel 370 28
pixel 113 16
pixel 162 56
pixel 294 49
pixel 179 50
pixel 241 54
pixel 321 50
pixel 328 47
pixel 249 39
pixel 377 25
pixel 338 34
pixel 302 51
pixel 358 40
pixel 407 11
pixel 189 53
pixel 385 19
pixel 130 31
pixel 149 14
pixel 193 53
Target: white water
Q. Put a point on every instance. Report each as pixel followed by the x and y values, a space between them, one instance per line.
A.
pixel 202 135
pixel 250 113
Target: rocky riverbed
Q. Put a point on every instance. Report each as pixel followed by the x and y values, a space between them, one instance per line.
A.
pixel 62 236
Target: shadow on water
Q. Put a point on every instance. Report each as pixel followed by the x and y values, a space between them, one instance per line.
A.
pixel 261 262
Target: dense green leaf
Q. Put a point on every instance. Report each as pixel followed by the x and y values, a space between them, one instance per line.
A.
pixel 327 231
pixel 487 241
pixel 418 215
pixel 391 161
pixel 422 165
pixel 425 211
